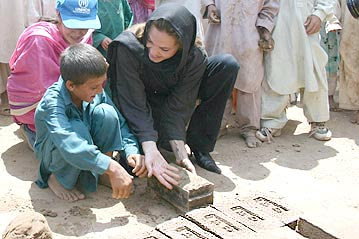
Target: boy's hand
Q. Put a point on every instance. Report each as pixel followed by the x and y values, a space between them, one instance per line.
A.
pixel 158 166
pixel 266 42
pixel 137 161
pixel 212 13
pixel 121 181
pixel 312 24
pixel 105 42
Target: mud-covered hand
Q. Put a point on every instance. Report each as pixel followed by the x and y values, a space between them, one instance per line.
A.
pixel 121 181
pixel 312 24
pixel 187 164
pixel 137 162
pixel 266 42
pixel 181 152
pixel 212 13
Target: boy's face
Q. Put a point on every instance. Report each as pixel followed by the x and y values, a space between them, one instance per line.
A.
pixel 86 91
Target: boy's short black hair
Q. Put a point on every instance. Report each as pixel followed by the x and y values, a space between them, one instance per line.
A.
pixel 81 61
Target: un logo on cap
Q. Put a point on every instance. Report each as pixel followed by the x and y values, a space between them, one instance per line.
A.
pixel 83 3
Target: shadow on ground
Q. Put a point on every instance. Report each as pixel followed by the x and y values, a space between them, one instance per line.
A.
pixel 289 150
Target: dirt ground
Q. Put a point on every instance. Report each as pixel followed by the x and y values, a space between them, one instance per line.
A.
pixel 320 179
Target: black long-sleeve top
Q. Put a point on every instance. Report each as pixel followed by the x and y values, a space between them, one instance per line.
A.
pixel 152 97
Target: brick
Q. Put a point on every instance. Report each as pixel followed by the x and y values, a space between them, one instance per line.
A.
pixel 270 208
pixel 242 213
pixel 277 233
pixel 192 191
pixel 218 223
pixel 180 227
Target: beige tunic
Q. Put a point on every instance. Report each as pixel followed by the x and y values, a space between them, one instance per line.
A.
pixel 237 34
pixel 12 20
pixel 297 61
pixel 349 65
pixel 37 9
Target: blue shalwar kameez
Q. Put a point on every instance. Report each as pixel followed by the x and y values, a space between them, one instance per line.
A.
pixel 71 142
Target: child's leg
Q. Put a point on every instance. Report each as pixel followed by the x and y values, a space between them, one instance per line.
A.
pixel 105 128
pixel 248 113
pixel 273 108
pixel 61 176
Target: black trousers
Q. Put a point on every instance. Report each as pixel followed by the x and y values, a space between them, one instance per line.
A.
pixel 216 86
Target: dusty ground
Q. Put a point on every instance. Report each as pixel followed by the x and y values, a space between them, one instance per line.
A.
pixel 320 179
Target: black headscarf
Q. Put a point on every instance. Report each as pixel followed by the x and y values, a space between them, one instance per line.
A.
pixel 184 23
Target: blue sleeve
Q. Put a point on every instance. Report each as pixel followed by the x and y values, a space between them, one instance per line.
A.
pixel 74 148
pixel 129 141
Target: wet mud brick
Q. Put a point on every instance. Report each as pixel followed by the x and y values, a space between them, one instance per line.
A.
pixel 218 223
pixel 277 233
pixel 242 213
pixel 270 208
pixel 181 228
pixel 192 191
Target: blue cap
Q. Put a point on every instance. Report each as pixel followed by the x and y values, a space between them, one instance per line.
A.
pixel 79 14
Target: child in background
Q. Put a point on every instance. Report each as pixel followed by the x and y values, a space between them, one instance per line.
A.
pixel 141 9
pixel 78 128
pixel 330 39
pixel 115 17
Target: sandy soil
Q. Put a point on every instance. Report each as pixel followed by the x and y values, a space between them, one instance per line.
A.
pixel 318 178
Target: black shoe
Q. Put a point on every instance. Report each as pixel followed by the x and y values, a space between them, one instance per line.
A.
pixel 205 160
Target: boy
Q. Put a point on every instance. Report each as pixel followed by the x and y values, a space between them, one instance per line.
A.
pixel 78 128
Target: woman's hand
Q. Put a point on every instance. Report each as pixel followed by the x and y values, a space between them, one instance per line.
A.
pixel 181 153
pixel 157 166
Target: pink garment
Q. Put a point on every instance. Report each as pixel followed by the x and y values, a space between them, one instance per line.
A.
pixel 141 9
pixel 34 67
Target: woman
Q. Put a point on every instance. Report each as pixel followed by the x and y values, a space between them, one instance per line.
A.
pixel 35 62
pixel 156 79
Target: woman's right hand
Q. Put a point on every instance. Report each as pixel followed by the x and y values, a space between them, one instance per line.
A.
pixel 157 166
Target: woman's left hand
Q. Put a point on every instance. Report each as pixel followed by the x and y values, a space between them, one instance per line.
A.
pixel 137 161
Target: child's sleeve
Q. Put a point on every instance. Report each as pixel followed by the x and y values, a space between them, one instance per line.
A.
pixel 129 141
pixel 323 8
pixel 74 148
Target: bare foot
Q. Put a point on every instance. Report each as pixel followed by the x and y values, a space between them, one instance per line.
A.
pixel 333 106
pixel 61 192
pixel 355 118
pixel 250 139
